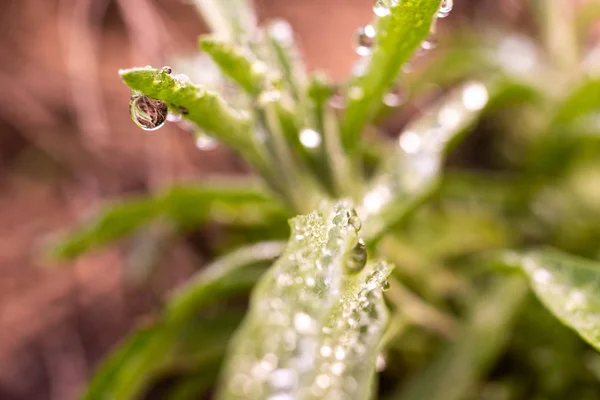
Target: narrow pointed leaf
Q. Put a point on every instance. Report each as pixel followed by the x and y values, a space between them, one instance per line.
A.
pixel 568 286
pixel 314 323
pixel 398 36
pixel 236 63
pixel 185 207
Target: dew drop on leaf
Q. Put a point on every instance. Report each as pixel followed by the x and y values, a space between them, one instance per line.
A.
pixel 386 285
pixel 394 98
pixel 167 70
pixel 445 8
pixel 357 258
pixel 430 43
pixel 365 39
pixel 174 117
pixel 381 8
pixel 149 114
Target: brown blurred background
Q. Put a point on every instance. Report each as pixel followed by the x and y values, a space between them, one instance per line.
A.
pixel 67 144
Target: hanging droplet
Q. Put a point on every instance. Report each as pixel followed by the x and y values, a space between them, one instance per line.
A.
pixel 445 8
pixel 149 114
pixel 357 258
pixel 365 39
pixel 354 221
pixel 205 142
pixel 167 70
pixel 385 285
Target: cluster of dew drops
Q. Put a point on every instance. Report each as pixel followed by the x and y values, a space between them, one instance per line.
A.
pixel 151 114
pixel 366 38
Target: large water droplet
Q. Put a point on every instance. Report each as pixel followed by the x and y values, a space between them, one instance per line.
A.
pixel 357 257
pixel 365 39
pixel 445 8
pixel 149 114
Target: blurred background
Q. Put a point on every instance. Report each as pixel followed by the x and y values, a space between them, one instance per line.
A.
pixel 67 145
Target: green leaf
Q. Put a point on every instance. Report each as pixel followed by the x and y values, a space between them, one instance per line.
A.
pixel 568 286
pixel 182 341
pixel 204 108
pixel 225 275
pixel 237 63
pixel 398 36
pixel 413 167
pixel 161 350
pixel 315 321
pixel 231 20
pixel 458 368
pixel 185 206
pixel 584 99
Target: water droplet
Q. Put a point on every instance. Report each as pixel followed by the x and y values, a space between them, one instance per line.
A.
pixel 365 39
pixel 394 98
pixel 542 276
pixel 445 8
pixel 381 8
pixel 326 351
pixel 283 379
pixel 205 142
pixel 449 117
pixel 356 93
pixel 149 114
pixel 336 100
pixel 323 381
pixel 259 67
pixel 357 257
pixel 269 96
pixel 310 138
pixel 475 96
pixel 355 221
pixel 340 353
pixel 304 323
pixel 430 43
pixel 338 368
pixel 174 117
pixel 167 70
pixel 410 142
pixel 380 364
pixel 385 285
pixel 282 31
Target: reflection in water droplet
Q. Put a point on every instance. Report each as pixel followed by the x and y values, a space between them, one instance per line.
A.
pixel 475 96
pixel 310 138
pixel 358 257
pixel 365 39
pixel 445 8
pixel 205 142
pixel 149 114
pixel 410 142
